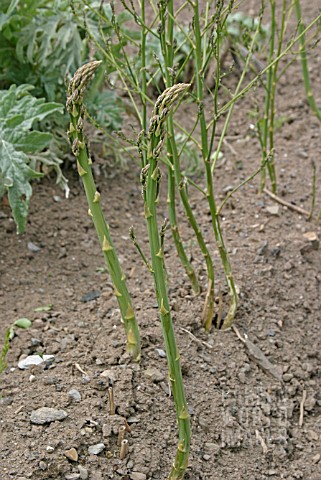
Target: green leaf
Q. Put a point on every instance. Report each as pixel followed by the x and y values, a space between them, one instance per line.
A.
pixel 14 166
pixel 23 323
pixel 33 142
pixel 108 110
pixel 45 308
pixel 19 110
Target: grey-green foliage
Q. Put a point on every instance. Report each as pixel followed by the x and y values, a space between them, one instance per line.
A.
pixel 19 141
pixel 42 43
pixel 241 27
pixel 39 44
pixel 108 109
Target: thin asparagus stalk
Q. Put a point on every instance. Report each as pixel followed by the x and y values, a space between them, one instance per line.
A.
pixel 76 111
pixel 167 46
pixel 151 179
pixel 176 234
pixel 199 75
pixel 265 129
pixel 271 162
pixel 304 62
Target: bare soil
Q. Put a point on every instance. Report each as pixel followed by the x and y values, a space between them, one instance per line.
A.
pixel 246 424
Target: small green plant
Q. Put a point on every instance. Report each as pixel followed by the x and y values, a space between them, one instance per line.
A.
pixel 23 323
pixel 76 110
pixel 20 141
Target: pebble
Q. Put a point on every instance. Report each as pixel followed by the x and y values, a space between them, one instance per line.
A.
pixel 287 377
pixel 160 352
pixel 138 476
pixel 312 435
pixel 34 360
pixel 5 401
pixel 96 449
pixel 90 296
pixel 33 247
pixel 154 375
pixel 110 374
pixel 83 472
pixel 50 449
pixel 74 395
pixel 207 457
pixel 72 454
pixel 316 458
pixel 262 248
pixel 273 209
pixel 46 415
pixel 35 342
pixel 72 476
pixel 309 404
pixel 131 420
pixel 42 465
pixel 213 447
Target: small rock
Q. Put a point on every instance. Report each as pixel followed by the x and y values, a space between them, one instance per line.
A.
pixel 57 198
pixel 262 248
pixel 130 465
pixel 154 375
pixel 310 404
pixel 160 352
pixel 213 447
pixel 46 415
pixel 34 360
pixel 35 342
pixel 316 458
pixel 32 378
pixel 72 476
pixel 275 252
pixel 74 395
pixel 206 457
pixel 138 476
pixel 42 465
pixel 287 377
pixel 273 209
pixel 311 236
pixel 271 332
pixel 312 435
pixel 71 454
pixel 131 420
pixel 314 242
pixel 5 401
pixel 90 296
pixel 50 449
pixel 110 374
pixel 96 449
pixel 83 472
pixel 33 248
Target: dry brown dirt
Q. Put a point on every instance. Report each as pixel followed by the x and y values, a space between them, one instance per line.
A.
pixel 246 424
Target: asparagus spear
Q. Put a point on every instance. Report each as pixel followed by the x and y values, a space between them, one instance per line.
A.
pixel 75 107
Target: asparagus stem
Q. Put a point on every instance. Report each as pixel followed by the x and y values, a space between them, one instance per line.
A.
pixel 304 62
pixel 167 46
pixel 176 235
pixel 150 189
pixel 199 75
pixel 208 310
pixel 76 111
